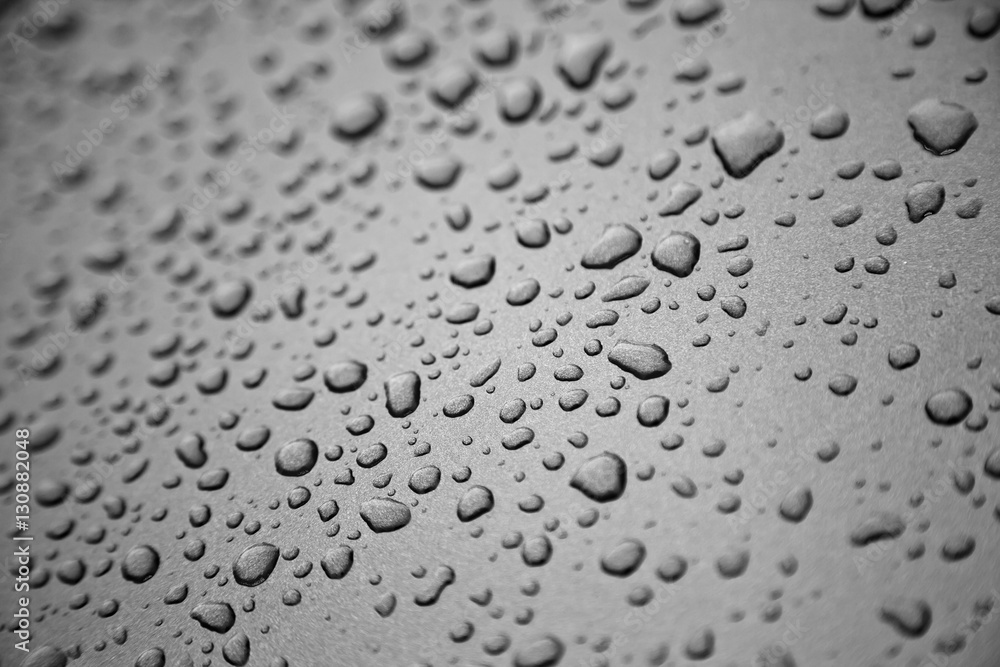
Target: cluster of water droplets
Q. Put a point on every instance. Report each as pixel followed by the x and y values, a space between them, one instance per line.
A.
pixel 463 326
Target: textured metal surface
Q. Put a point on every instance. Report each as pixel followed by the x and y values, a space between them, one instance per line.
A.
pixel 285 188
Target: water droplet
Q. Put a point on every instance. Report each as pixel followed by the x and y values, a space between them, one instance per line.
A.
pixel 941 127
pixel 948 406
pixel 601 478
pixel 215 616
pixel 337 562
pixel 580 57
pixel 617 243
pixel 385 515
pixel 296 457
pixel 255 564
pixel 477 501
pixel 743 143
pixel 402 394
pixel 643 360
pixel 140 564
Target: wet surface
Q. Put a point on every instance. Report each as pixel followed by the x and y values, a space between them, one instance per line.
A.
pixel 502 333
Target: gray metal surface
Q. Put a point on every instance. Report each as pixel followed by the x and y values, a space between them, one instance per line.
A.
pixel 284 188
